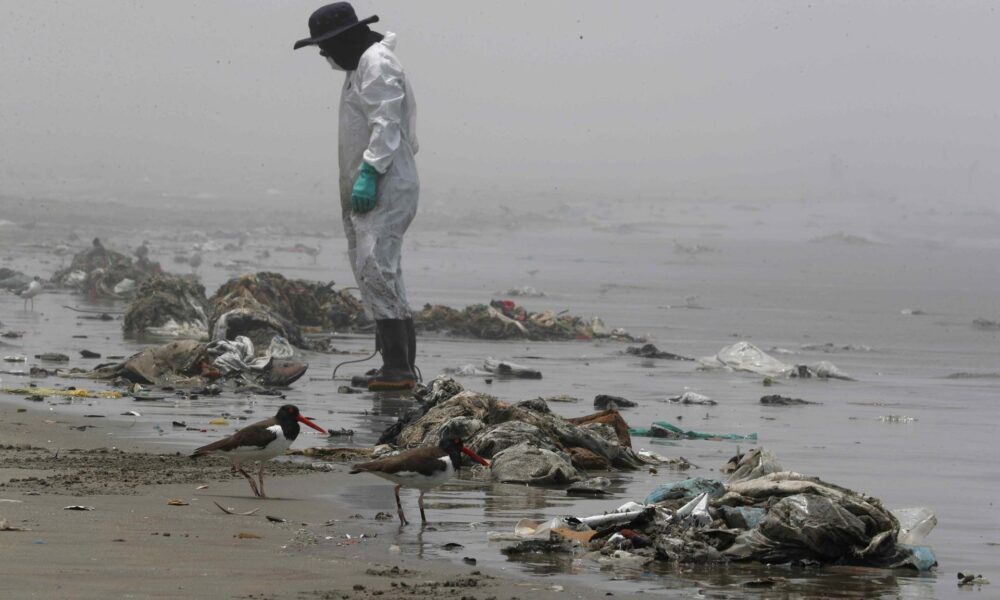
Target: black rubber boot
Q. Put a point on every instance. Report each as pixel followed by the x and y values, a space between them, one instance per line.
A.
pixel 411 339
pixel 395 373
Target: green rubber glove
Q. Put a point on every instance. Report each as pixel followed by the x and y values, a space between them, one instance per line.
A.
pixel 363 194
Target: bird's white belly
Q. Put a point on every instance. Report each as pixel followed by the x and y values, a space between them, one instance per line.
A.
pixel 244 454
pixel 412 479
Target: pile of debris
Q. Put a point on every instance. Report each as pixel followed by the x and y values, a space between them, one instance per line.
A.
pixel 169 305
pixel 504 320
pixel 762 513
pixel 526 441
pixel 194 364
pixel 259 306
pixel 99 272
pixel 262 305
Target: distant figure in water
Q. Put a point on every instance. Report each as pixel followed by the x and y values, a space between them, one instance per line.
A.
pixel 142 252
pixel 313 252
pixel 97 243
pixel 34 288
pixel 195 261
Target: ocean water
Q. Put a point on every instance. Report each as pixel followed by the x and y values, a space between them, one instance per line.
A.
pixel 894 296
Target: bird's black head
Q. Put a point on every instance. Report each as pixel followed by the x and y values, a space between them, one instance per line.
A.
pixel 287 413
pixel 452 444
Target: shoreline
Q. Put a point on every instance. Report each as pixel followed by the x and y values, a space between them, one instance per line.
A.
pixel 133 544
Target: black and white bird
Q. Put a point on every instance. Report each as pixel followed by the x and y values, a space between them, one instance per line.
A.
pixel 34 288
pixel 421 468
pixel 260 442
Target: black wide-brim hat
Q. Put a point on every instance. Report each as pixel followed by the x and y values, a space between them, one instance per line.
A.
pixel 330 21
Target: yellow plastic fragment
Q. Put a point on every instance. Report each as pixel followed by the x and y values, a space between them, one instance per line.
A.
pixel 77 393
pixel 218 421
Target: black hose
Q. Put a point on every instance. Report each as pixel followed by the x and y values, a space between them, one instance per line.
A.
pixel 352 362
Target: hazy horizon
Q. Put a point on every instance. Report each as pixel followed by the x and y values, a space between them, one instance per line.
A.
pixel 729 101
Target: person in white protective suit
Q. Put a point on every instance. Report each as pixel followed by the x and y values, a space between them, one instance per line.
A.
pixel 379 186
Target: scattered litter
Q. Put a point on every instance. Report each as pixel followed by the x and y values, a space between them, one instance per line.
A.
pixel 686 489
pixel 915 524
pixel 560 398
pixel 626 513
pixel 760 515
pixel 74 392
pixel 744 356
pixel 131 413
pixel 201 487
pixel 692 398
pixel 662 429
pixel 78 507
pixel 101 272
pixel 778 400
pixel 503 319
pixel 605 402
pixel 510 369
pixel 896 419
pixel 651 351
pixel 5 526
pixel 533 442
pixel 694 513
pixel 595 486
pixel 751 465
pixel 986 324
pixel 52 357
pixel 230 511
pixel 246 535
pixel 218 421
pixel 831 347
pixel 177 503
pixel 533 546
pixel 524 292
pixel 342 432
pixel 275 519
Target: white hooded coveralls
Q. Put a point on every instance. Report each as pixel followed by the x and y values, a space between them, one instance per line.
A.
pixel 378 126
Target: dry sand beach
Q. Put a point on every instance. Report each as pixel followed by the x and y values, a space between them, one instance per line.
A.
pixel 136 544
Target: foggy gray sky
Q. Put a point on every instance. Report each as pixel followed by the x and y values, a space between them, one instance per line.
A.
pixel 730 100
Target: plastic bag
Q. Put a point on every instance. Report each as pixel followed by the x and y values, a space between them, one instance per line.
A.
pixel 914 524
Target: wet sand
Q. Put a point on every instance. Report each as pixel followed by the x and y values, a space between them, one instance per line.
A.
pixel 134 544
pixel 897 307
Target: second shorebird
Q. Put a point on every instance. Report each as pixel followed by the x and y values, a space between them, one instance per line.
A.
pixel 261 442
pixel 421 468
